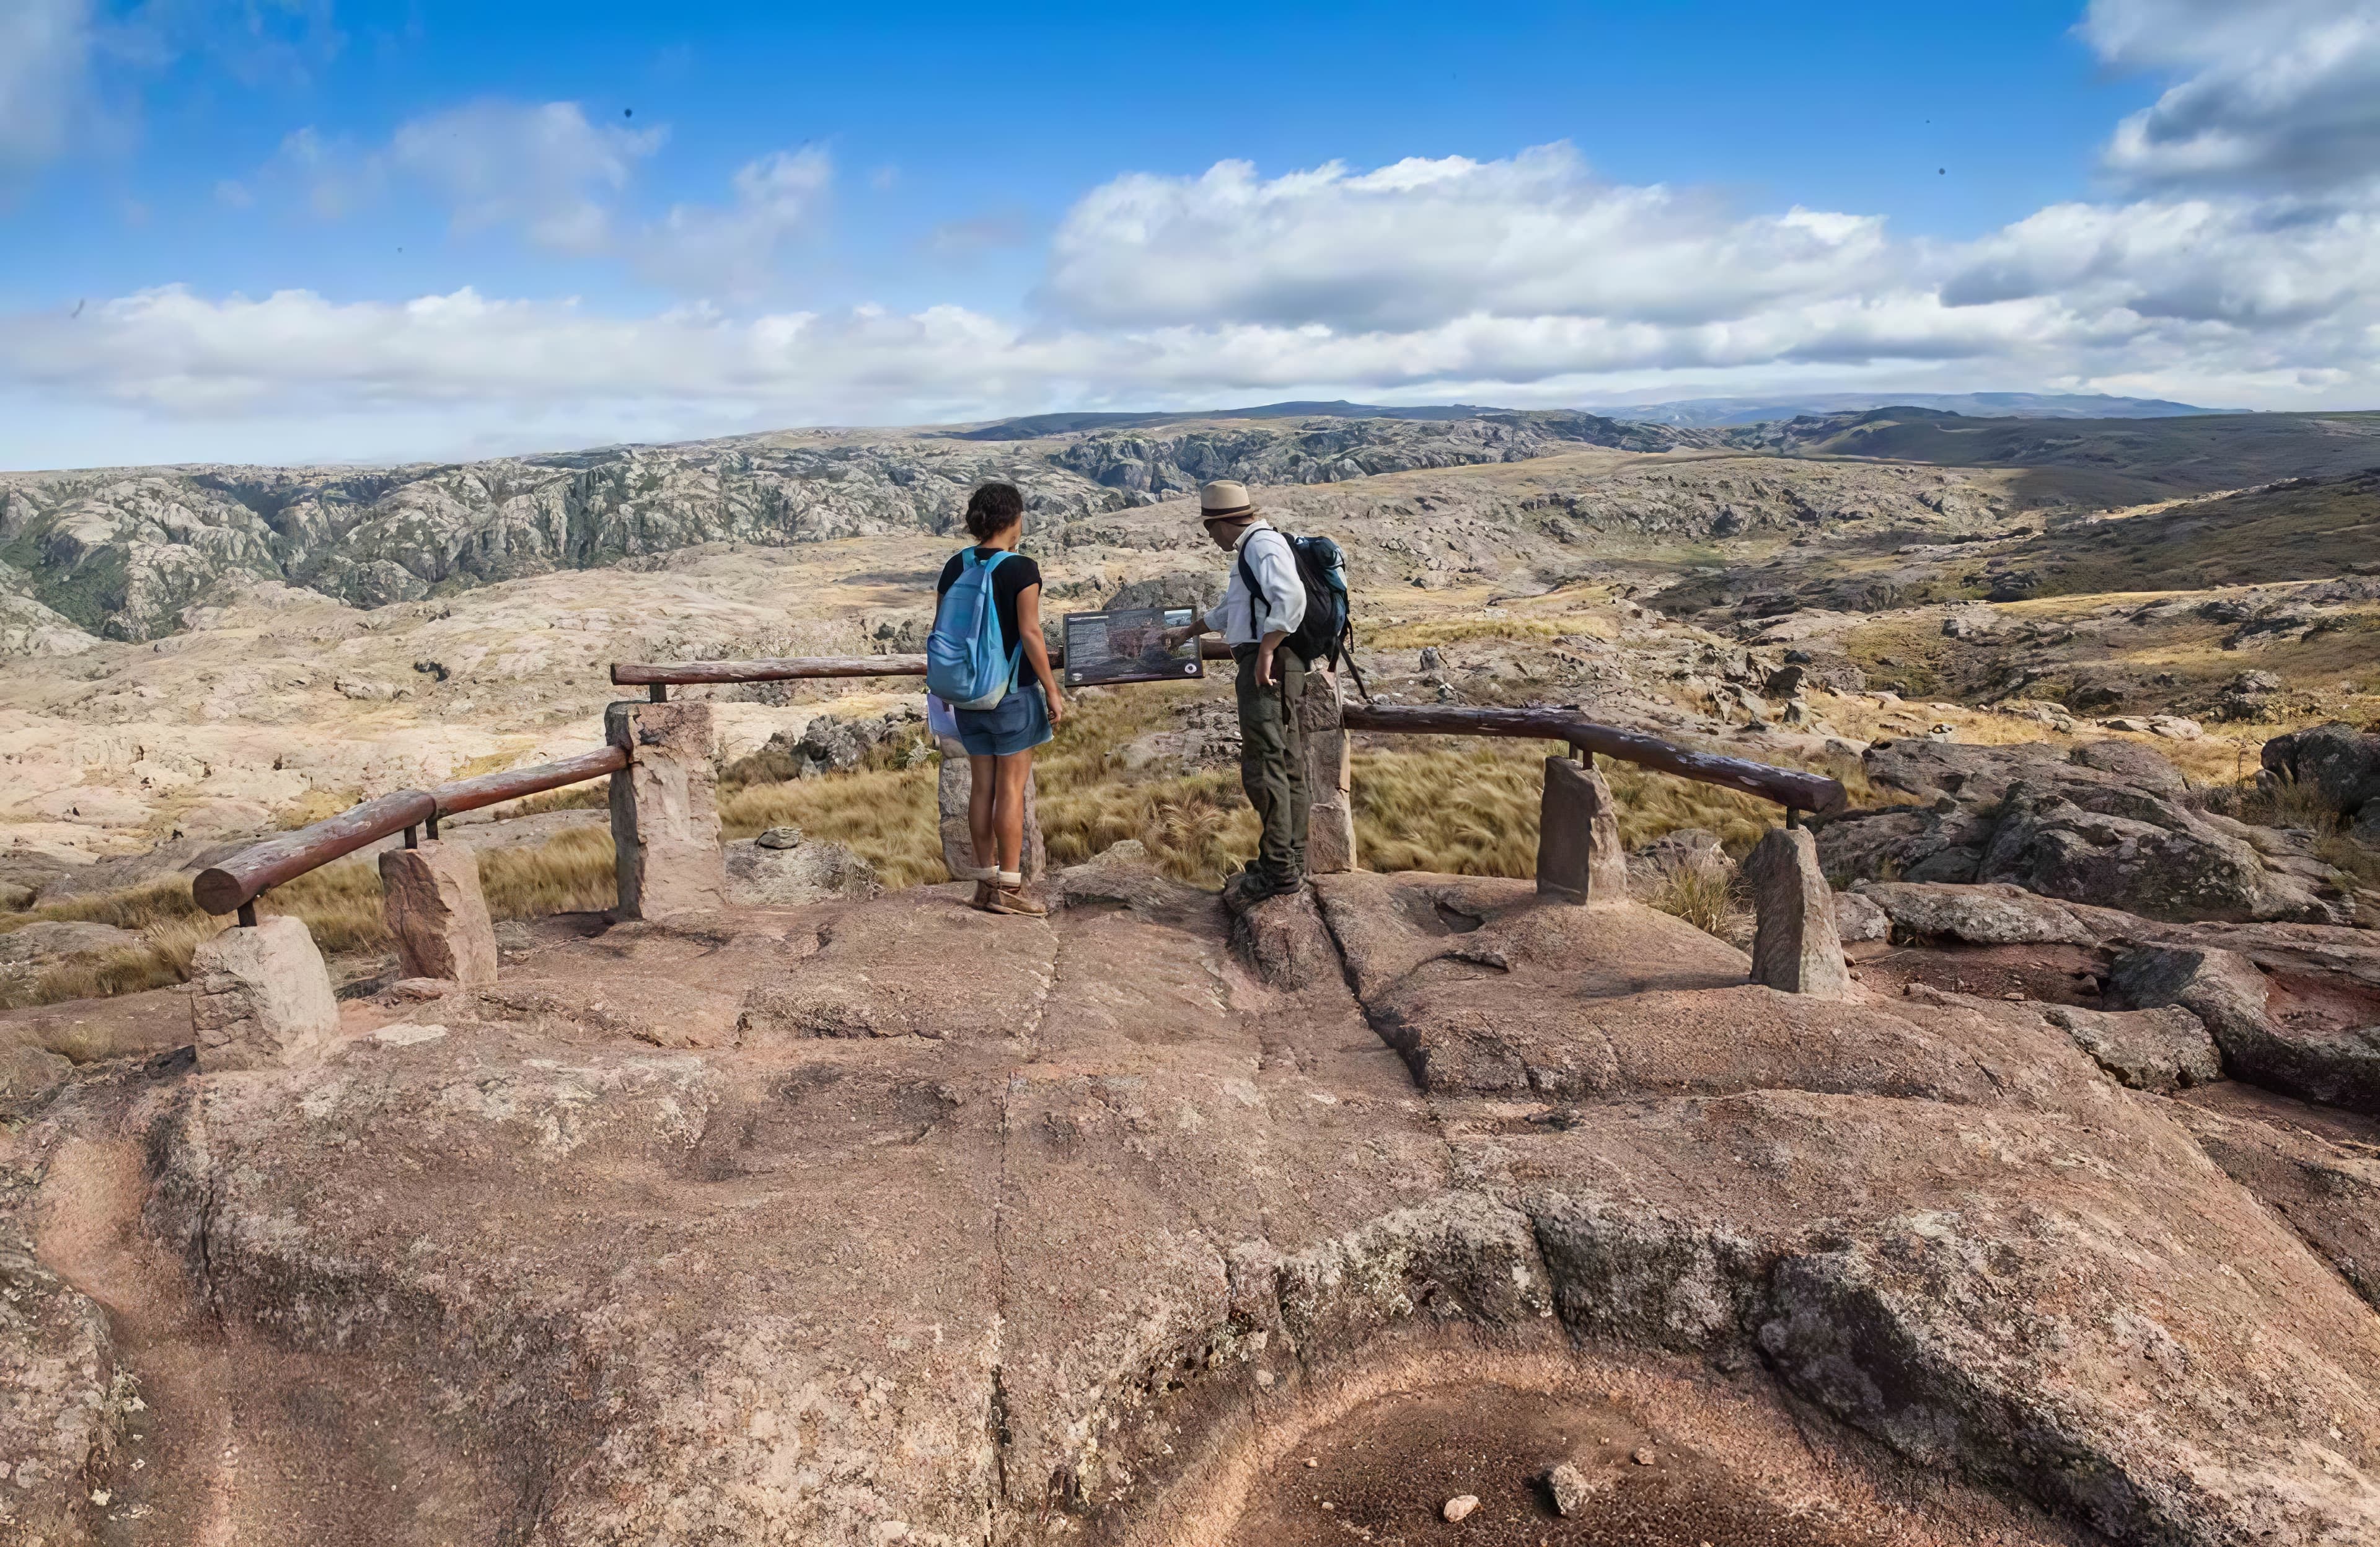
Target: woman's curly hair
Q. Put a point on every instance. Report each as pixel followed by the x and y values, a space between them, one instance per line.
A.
pixel 993 509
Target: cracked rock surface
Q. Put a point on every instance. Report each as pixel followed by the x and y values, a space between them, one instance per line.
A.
pixel 885 1220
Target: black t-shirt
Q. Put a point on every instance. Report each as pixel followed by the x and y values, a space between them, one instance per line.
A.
pixel 1015 576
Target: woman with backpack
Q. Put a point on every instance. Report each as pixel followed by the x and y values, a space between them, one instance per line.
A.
pixel 986 628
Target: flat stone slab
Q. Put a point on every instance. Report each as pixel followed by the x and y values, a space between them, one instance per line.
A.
pixel 894 1222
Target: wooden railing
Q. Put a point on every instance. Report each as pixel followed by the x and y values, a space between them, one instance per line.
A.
pixel 659 676
pixel 234 885
pixel 1794 790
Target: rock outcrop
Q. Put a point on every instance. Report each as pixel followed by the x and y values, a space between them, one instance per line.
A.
pixel 2339 764
pixel 2340 1066
pixel 2108 825
pixel 889 1220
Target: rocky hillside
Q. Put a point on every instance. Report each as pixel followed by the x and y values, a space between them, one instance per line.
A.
pixel 2093 462
pixel 119 553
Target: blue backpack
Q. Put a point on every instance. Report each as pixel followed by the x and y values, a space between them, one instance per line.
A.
pixel 963 665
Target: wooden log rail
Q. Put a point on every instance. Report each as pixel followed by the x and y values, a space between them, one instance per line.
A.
pixel 1790 788
pixel 234 885
pixel 660 676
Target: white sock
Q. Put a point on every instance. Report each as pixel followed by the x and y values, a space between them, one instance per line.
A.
pixel 1010 878
pixel 977 872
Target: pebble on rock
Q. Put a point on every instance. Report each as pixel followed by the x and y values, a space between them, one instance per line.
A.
pixel 1460 1506
pixel 1642 1456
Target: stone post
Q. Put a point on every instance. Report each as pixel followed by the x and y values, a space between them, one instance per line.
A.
pixel 1330 827
pixel 261 998
pixel 434 908
pixel 666 810
pixel 1579 855
pixel 958 783
pixel 1796 948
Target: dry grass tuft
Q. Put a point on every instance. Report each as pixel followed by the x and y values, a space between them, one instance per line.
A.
pixel 1456 630
pixel 340 905
pixel 2284 802
pixel 886 816
pixel 1705 897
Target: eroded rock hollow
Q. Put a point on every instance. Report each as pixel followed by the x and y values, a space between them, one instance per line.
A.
pixel 886 1221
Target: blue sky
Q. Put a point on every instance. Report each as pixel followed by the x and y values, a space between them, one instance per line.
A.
pixel 301 228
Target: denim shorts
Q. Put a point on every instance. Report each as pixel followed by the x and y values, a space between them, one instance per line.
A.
pixel 1020 723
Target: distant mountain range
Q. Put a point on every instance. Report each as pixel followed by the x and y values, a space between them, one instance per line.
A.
pixel 1685 413
pixel 1715 412
pixel 1033 425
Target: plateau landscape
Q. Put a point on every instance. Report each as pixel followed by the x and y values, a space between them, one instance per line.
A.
pixel 1810 978
pixel 2067 726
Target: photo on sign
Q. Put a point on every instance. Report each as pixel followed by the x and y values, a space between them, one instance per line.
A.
pixel 1128 645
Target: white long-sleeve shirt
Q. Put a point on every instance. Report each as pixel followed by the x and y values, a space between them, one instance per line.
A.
pixel 1267 554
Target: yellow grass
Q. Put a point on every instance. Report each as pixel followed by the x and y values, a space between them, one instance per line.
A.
pixel 1705 897
pixel 1455 631
pixel 340 904
pixel 1448 805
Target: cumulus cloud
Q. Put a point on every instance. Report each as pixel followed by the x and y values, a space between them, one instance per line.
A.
pixel 1420 242
pixel 732 251
pixel 564 183
pixel 542 167
pixel 2277 95
pixel 1522 279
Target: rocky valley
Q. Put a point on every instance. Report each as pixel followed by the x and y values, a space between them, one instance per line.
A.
pixel 833 1210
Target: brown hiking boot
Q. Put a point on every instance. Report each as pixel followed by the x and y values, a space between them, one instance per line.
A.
pixel 1011 899
pixel 983 890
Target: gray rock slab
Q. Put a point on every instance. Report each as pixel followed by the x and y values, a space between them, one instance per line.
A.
pixel 260 997
pixel 1858 919
pixel 431 899
pixel 61 1423
pixel 762 874
pixel 1795 949
pixel 2160 1050
pixel 1843 1235
pixel 1979 915
pixel 1579 855
pixel 2223 989
pixel 2328 1191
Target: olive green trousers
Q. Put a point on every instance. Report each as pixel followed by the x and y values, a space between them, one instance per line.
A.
pixel 1273 759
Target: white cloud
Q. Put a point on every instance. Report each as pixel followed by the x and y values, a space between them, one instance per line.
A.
pixel 44 76
pixel 2279 93
pixel 564 183
pixel 1422 242
pixel 1525 279
pixel 542 167
pixel 732 251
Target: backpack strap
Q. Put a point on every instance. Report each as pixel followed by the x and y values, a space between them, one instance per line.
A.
pixel 1248 574
pixel 1016 652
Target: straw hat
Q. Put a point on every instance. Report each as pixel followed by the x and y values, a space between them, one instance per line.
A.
pixel 1224 500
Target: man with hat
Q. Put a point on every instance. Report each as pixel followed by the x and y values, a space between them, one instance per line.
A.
pixel 1269 681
